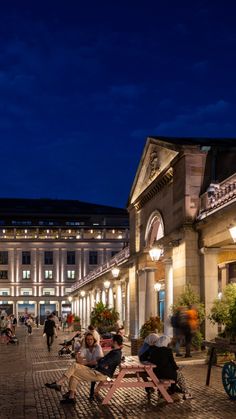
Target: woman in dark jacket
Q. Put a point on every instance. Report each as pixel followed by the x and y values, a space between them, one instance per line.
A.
pixel 162 356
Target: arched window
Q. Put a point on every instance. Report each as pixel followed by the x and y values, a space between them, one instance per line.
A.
pixel 155 229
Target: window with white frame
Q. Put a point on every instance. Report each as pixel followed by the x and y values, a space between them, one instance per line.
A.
pixel 26 291
pixel 48 291
pixel 26 274
pixel 4 291
pixel 71 274
pixel 48 274
pixel 67 290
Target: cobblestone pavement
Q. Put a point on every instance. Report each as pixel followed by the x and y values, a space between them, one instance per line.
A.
pixel 27 366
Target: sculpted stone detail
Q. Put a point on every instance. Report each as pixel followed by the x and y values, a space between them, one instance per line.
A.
pixel 154 165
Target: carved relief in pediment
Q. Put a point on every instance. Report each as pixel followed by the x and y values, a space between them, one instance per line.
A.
pixel 156 159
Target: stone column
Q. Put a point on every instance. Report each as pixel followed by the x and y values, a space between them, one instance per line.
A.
pixel 104 297
pixel 210 287
pixel 133 302
pixel 84 312
pixel 92 299
pixel 110 298
pixel 224 276
pixel 168 330
pixel 98 295
pixel 88 310
pixel 127 309
pixel 118 305
pixel 141 278
pixel 150 301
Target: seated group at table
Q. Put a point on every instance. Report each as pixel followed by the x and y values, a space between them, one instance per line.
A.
pixel 156 350
pixel 91 366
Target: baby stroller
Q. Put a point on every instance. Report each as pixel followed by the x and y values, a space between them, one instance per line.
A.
pixel 67 346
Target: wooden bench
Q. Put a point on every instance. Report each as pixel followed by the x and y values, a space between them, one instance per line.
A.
pixel 132 368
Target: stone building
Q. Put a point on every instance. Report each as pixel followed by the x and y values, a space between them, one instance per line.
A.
pixel 47 245
pixel 181 206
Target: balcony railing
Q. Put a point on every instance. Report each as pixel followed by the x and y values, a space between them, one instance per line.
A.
pixel 118 259
pixel 221 194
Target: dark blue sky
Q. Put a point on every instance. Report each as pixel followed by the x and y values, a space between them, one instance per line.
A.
pixel 84 83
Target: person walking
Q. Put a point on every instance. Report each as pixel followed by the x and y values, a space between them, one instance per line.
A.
pixel 49 331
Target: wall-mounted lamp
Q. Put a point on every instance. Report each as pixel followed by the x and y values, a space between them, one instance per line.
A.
pixel 115 272
pixel 155 253
pixel 70 298
pixel 232 231
pixel 82 293
pixel 106 284
pixel 157 286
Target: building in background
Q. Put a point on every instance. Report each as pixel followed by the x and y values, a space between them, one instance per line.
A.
pixel 48 245
pixel 182 209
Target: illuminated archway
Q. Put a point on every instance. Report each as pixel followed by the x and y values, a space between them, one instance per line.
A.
pixel 154 229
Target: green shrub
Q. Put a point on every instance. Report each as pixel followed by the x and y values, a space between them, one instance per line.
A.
pixel 153 325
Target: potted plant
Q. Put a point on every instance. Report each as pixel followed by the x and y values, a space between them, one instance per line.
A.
pixel 104 318
pixel 152 325
pixel 223 312
pixel 76 323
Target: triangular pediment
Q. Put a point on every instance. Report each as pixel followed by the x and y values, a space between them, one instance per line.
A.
pixel 155 159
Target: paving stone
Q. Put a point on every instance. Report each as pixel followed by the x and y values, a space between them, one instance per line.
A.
pixel 26 367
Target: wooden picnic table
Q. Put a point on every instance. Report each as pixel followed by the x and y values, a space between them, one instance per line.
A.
pixel 133 368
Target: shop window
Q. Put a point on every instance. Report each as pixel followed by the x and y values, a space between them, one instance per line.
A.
pixel 3 258
pixel 26 259
pixel 48 258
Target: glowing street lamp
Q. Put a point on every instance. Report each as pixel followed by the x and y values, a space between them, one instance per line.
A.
pixel 106 284
pixel 115 272
pixel 157 286
pixel 82 293
pixel 155 253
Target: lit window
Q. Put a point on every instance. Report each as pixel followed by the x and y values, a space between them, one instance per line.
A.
pixel 48 291
pixel 71 274
pixel 5 291
pixel 26 291
pixel 48 274
pixel 26 274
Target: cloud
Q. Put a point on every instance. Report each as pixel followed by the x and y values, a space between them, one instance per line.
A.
pixel 204 120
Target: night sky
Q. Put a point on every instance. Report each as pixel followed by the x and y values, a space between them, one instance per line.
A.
pixel 83 83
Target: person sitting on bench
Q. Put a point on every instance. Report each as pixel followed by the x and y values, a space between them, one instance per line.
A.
pixel 77 372
pixel 161 355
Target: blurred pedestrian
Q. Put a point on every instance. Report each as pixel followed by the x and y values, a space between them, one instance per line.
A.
pixel 49 330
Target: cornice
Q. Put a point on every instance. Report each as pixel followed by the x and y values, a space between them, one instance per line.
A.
pixel 159 183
